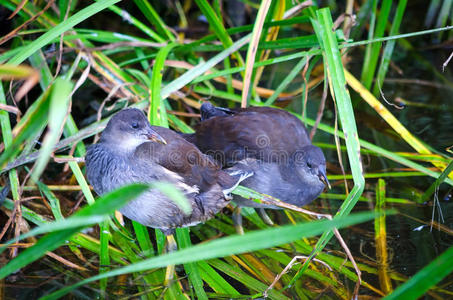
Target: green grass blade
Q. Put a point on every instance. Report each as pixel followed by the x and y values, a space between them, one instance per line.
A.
pixel 54 202
pixel 157 112
pixel 81 181
pixel 388 49
pixel 70 129
pixel 215 280
pixel 428 193
pixel 59 106
pixel 338 82
pixel 218 27
pixel 7 138
pixel 104 257
pixel 39 63
pixel 369 66
pixel 142 235
pixel 135 22
pixel 286 81
pixel 32 123
pixel 371 31
pixel 380 237
pixel 192 270
pixel 153 17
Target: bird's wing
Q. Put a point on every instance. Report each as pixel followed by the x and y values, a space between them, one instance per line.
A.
pixel 180 157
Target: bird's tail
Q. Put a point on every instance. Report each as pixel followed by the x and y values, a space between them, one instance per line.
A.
pixel 208 111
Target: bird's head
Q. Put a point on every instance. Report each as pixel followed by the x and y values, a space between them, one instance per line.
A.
pixel 128 129
pixel 310 162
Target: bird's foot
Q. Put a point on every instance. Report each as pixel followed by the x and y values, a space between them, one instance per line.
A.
pixel 243 176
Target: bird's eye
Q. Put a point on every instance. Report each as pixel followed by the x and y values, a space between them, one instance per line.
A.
pixel 134 125
pixel 309 165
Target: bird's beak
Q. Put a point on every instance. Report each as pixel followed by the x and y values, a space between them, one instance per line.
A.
pixel 323 177
pixel 155 137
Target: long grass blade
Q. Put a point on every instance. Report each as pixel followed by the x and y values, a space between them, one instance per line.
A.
pixel 323 27
pixel 59 106
pixel 381 239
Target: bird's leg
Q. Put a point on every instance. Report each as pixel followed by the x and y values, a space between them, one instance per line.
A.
pixel 171 247
pixel 237 220
pixel 265 217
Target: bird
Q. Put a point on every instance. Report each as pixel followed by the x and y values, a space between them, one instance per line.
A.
pixel 130 150
pixel 271 143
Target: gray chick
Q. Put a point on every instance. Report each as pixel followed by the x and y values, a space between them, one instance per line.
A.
pixel 130 150
pixel 271 143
